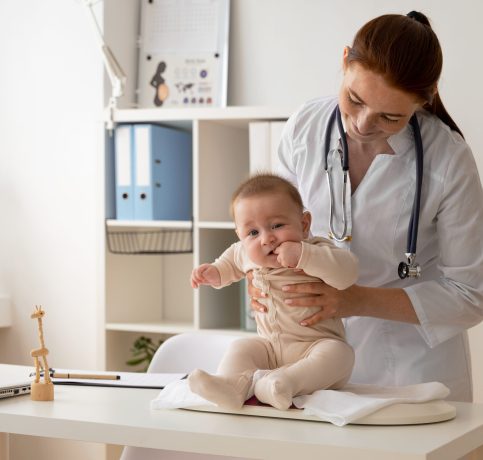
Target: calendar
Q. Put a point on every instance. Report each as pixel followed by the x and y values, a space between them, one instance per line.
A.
pixel 183 53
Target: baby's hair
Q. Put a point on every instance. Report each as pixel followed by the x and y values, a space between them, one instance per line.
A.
pixel 262 183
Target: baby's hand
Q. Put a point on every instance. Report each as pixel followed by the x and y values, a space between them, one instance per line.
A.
pixel 289 254
pixel 205 274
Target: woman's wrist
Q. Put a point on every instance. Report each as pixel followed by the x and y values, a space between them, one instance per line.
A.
pixel 385 303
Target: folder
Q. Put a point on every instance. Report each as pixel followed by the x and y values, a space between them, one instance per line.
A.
pixel 264 138
pixel 124 173
pixel 163 173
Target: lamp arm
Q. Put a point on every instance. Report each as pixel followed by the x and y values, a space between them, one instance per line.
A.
pixel 116 75
pixel 114 72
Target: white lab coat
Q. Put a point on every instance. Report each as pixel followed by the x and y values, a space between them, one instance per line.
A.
pixel 448 298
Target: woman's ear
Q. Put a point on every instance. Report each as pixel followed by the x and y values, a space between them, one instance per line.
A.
pixel 345 56
pixel 306 221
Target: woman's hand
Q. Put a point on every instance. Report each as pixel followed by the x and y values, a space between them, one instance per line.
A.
pixel 332 302
pixel 385 303
pixel 255 294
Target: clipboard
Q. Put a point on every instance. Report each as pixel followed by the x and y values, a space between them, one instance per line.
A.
pixel 183 53
pixel 126 380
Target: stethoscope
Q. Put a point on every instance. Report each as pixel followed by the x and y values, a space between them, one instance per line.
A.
pixel 410 268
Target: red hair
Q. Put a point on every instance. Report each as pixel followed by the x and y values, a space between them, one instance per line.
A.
pixel 406 52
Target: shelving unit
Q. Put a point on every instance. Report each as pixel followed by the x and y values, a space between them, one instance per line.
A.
pixel 151 295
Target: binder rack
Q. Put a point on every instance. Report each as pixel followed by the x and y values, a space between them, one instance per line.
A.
pixel 150 241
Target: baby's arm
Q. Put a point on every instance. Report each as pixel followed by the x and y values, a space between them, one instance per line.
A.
pixel 206 274
pixel 224 271
pixel 335 266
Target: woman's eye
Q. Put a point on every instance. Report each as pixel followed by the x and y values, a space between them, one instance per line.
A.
pixel 352 101
pixel 389 119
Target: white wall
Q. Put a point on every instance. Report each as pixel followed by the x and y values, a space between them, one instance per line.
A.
pixel 284 52
pixel 50 188
pixel 51 159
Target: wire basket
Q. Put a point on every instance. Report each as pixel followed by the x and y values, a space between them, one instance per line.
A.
pixel 159 241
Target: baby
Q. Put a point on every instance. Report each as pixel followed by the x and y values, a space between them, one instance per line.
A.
pixel 291 359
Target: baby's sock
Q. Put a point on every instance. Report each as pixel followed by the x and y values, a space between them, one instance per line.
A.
pixel 228 392
pixel 274 389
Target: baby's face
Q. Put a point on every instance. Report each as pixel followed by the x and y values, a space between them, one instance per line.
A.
pixel 264 222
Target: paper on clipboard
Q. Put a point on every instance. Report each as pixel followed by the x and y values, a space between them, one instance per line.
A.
pixel 183 53
pixel 178 26
pixel 127 380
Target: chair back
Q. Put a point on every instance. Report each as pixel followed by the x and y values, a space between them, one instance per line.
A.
pixel 188 351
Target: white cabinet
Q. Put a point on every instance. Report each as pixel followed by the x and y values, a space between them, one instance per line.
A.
pixel 151 294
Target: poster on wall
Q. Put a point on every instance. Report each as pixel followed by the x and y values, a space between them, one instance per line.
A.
pixel 183 53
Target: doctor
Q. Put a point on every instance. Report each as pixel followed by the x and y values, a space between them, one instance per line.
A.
pixel 411 330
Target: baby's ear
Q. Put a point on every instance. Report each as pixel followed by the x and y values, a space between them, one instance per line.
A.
pixel 306 221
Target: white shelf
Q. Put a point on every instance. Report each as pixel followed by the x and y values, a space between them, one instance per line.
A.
pixel 217 225
pixel 181 224
pixel 171 328
pixel 152 327
pixel 156 115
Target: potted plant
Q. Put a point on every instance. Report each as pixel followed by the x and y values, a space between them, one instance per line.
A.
pixel 143 350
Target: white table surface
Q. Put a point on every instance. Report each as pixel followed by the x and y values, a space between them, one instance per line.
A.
pixel 122 416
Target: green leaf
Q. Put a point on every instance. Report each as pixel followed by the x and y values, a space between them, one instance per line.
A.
pixel 139 352
pixel 135 362
pixel 143 350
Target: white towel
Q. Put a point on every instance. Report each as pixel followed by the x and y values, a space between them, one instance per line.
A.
pixel 356 401
pixel 338 407
pixel 176 395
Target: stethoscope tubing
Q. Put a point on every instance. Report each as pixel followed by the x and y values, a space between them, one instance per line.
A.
pixel 412 236
pixel 414 221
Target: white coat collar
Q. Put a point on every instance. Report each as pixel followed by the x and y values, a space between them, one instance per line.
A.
pixel 401 142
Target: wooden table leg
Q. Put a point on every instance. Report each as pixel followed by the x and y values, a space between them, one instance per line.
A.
pixel 4 455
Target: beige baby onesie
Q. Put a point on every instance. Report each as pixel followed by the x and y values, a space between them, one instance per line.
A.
pixel 302 359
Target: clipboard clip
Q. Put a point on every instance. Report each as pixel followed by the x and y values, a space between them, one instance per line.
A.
pixel 51 373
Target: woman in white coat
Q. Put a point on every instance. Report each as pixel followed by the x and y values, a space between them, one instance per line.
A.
pixel 404 331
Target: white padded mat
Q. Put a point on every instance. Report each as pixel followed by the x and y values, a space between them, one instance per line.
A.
pixel 397 414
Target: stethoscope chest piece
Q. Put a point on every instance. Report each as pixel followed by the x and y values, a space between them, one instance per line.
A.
pixel 409 269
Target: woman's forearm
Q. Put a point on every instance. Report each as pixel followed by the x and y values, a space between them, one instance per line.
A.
pixel 384 303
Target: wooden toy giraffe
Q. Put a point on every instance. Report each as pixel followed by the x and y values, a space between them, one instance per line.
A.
pixel 41 391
